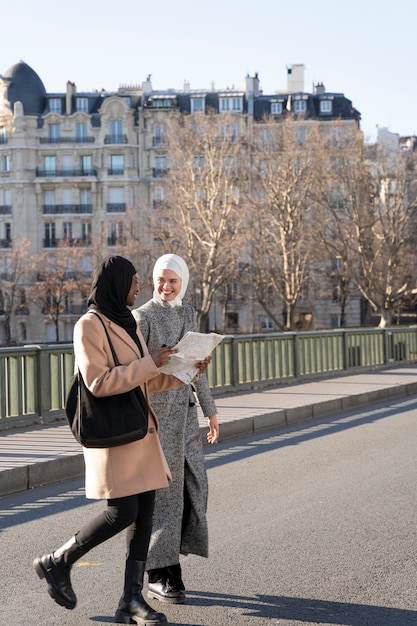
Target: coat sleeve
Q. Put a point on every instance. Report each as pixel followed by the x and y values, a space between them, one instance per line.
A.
pixel 95 362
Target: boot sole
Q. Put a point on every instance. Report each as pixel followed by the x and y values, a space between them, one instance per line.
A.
pixel 166 599
pixel 43 573
pixel 127 618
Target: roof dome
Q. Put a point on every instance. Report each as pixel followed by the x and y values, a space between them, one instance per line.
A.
pixel 25 86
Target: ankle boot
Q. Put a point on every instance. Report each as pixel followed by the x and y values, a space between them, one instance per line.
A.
pixel 165 584
pixel 132 606
pixel 55 568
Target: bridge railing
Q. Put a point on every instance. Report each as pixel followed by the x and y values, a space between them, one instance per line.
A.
pixel 34 379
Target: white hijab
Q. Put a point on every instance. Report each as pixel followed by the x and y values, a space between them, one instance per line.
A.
pixel 176 264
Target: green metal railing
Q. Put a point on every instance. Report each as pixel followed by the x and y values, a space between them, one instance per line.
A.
pixel 34 379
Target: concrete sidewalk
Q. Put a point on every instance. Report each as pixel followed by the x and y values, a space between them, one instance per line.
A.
pixel 41 455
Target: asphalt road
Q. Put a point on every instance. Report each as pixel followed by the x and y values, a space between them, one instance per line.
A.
pixel 314 524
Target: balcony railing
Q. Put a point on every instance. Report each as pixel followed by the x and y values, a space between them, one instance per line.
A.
pixel 115 171
pixel 116 207
pixel 65 172
pixel 60 209
pixel 116 241
pixel 71 242
pixel 158 172
pixel 115 139
pixel 5 209
pixel 67 139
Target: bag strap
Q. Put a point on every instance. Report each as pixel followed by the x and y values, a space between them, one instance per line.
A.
pixel 113 351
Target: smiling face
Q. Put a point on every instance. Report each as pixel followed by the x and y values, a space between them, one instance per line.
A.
pixel 133 291
pixel 167 285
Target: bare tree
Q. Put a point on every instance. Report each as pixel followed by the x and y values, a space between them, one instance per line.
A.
pixel 384 233
pixel 284 175
pixel 62 284
pixel 340 192
pixel 16 265
pixel 203 216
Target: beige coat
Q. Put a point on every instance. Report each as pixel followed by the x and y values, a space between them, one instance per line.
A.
pixel 139 466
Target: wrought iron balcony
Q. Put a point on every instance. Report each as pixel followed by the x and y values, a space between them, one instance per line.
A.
pixel 65 172
pixel 61 209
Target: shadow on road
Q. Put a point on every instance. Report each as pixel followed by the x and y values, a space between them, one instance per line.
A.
pixel 265 441
pixel 308 610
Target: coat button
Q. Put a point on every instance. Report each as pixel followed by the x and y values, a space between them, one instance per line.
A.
pixel 151 430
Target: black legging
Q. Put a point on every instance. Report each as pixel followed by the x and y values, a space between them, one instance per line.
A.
pixel 132 512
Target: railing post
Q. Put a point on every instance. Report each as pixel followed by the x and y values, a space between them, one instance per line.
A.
pixel 43 382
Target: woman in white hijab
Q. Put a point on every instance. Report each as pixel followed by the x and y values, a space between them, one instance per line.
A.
pixel 180 523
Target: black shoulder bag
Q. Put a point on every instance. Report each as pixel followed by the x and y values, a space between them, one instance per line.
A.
pixel 107 421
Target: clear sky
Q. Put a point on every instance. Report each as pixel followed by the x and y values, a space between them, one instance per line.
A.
pixel 365 49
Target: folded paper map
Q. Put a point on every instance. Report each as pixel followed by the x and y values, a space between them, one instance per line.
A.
pixel 191 348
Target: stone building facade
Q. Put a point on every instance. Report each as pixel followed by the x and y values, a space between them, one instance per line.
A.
pixel 76 167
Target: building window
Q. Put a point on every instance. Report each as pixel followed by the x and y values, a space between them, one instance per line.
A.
pixel 3 134
pixel 67 164
pixel 326 106
pixel 7 232
pixel 116 232
pixel 67 231
pixel 49 241
pixel 161 166
pixel 54 132
pixel 86 164
pixel 300 106
pixel 6 163
pixel 197 105
pixel 55 105
pixel 49 165
pixel 116 131
pixel 276 108
pixel 234 104
pixel 81 131
pixel 159 132
pixel 23 333
pixel 159 197
pixel 116 164
pixel 163 103
pixel 49 197
pixel 199 162
pixel 86 232
pixel 116 202
pixel 231 131
pixel 81 104
pixel 85 200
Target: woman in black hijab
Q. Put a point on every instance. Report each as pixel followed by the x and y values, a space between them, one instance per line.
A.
pixel 126 476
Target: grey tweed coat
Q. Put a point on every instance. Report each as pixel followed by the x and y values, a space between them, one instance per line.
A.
pixel 180 523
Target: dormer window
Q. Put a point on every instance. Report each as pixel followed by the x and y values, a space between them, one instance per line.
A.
pixel 326 106
pixel 233 104
pixel 162 102
pixel 55 105
pixel 300 106
pixel 276 108
pixel 82 104
pixel 197 104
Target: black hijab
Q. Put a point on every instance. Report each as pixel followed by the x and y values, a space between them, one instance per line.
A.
pixel 110 288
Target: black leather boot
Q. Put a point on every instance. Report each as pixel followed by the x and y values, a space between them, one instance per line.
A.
pixel 165 584
pixel 55 568
pixel 133 608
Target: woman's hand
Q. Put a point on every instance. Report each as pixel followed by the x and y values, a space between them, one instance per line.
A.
pixel 161 356
pixel 202 366
pixel 213 434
